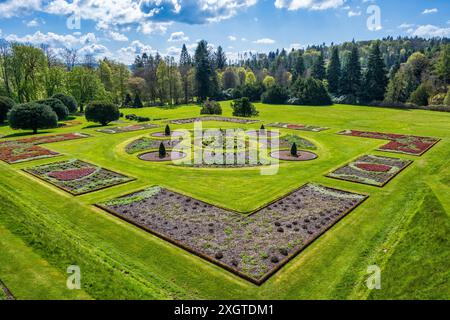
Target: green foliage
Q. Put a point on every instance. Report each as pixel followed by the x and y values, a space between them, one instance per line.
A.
pixel 6 104
pixel 351 74
pixel 128 101
pixel 57 106
pixel 243 108
pixel 318 69
pixel 447 98
pixel 310 92
pixel 275 95
pixel 137 103
pixel 167 131
pixel 375 78
pixel 294 151
pixel 421 95
pixel 334 72
pixel 443 65
pixel 211 107
pixel 68 101
pixel 102 112
pixel 32 116
pixel 162 151
pixel 204 72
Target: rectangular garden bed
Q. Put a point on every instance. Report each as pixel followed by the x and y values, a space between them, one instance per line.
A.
pixel 220 119
pixel 21 150
pixel 371 170
pixel 134 127
pixel 399 143
pixel 78 177
pixel 301 127
pixel 253 247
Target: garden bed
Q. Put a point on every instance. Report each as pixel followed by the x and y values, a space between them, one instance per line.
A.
pixel 145 143
pixel 229 160
pixel 289 140
pixel 220 119
pixel 300 127
pixel 371 170
pixel 154 156
pixel 253 247
pixel 78 177
pixel 174 134
pixel 6 293
pixel 264 133
pixel 399 143
pixel 287 156
pixel 16 151
pixel 131 128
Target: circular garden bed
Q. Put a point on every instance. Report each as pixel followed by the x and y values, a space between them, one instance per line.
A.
pixel 154 156
pixel 163 135
pixel 257 133
pixel 287 156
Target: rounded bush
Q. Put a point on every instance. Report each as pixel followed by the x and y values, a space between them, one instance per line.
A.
pixel 32 116
pixel 275 95
pixel 58 106
pixel 6 104
pixel 68 101
pixel 211 107
pixel 102 112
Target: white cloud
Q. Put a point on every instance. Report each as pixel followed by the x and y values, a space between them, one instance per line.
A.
pixel 232 38
pixel 352 13
pixel 178 37
pixel 308 4
pixel 429 11
pixel 406 26
pixel 430 31
pixel 55 40
pixel 116 36
pixel 264 41
pixel 128 54
pixel 13 8
pixel 36 22
pixel 173 51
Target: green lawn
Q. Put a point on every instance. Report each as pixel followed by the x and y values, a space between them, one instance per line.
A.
pixel 391 229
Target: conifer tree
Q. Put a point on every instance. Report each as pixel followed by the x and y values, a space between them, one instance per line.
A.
pixel 167 131
pixel 294 151
pixel 318 70
pixel 351 75
pixel 162 151
pixel 375 79
pixel 334 72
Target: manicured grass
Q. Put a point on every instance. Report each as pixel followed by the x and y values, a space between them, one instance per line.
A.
pixel 121 261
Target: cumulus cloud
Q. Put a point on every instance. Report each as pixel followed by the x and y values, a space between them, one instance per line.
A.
pixel 55 40
pixel 264 41
pixel 178 37
pixel 314 5
pixel 232 38
pixel 352 13
pixel 429 11
pixel 128 54
pixel 117 36
pixel 13 8
pixel 431 31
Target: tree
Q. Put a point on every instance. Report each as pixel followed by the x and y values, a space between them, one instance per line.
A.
pixel 250 78
pixel 243 108
pixel 275 95
pixel 211 107
pixel 447 98
pixel 310 92
pixel 102 112
pixel 84 85
pixel 298 65
pixel 318 70
pixel 220 58
pixel 167 131
pixel 334 72
pixel 32 116
pixel 294 151
pixel 375 78
pixel 421 95
pixel 351 75
pixel 162 151
pixel 229 79
pixel 57 106
pixel 185 69
pixel 54 80
pixel 68 101
pixel 128 101
pixel 269 81
pixel 6 104
pixel 137 102
pixel 203 72
pixel 443 65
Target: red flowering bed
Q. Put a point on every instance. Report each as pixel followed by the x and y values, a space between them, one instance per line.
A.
pixel 414 145
pixel 301 127
pixel 73 174
pixel 15 151
pixel 372 170
pixel 374 167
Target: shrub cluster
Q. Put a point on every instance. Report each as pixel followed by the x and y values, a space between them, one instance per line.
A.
pixel 102 112
pixel 211 107
pixel 57 106
pixel 133 117
pixel 243 108
pixel 32 116
pixel 68 101
pixel 6 104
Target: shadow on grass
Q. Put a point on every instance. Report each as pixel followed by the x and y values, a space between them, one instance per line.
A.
pixel 23 134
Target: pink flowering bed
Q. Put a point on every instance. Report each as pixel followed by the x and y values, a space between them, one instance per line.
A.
pixel 78 177
pixel 371 170
pixel 399 143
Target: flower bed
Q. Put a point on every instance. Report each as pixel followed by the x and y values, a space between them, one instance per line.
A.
pixel 371 170
pixel 78 177
pixel 15 151
pixel 287 156
pixel 145 143
pixel 413 145
pixel 220 119
pixel 253 247
pixel 131 128
pixel 301 127
pixel 154 156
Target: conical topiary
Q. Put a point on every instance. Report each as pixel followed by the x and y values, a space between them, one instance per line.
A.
pixel 167 131
pixel 162 151
pixel 294 150
pixel 263 128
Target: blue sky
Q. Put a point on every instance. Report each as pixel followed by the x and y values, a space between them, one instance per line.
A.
pixel 120 29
